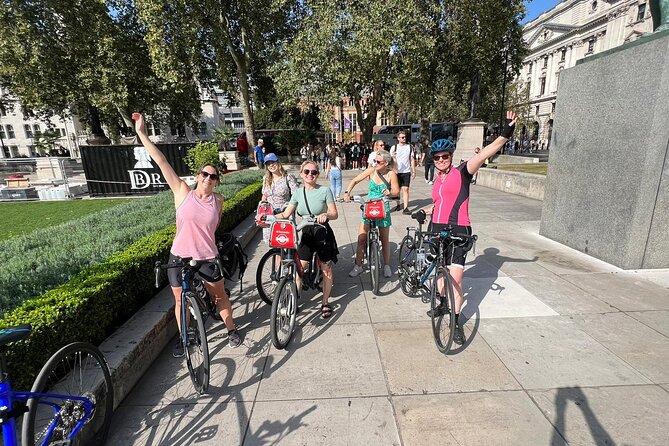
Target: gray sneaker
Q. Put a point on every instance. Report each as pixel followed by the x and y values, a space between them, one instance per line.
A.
pixel 234 340
pixel 459 335
pixel 178 351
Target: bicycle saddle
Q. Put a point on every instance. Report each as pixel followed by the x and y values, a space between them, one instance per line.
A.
pixel 419 216
pixel 13 334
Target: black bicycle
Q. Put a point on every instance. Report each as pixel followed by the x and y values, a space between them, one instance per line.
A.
pixel 196 307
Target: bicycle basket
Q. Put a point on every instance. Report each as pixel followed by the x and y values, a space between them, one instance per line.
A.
pixel 263 210
pixel 375 209
pixel 283 235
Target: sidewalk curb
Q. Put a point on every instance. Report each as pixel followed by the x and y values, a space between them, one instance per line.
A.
pixel 133 347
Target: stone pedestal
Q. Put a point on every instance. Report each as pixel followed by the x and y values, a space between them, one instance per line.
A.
pixel 231 159
pixel 470 136
pixel 607 189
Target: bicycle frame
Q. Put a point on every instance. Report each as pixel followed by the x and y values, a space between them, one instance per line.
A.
pixel 8 397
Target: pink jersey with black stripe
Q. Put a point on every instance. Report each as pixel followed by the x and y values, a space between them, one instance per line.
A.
pixel 450 194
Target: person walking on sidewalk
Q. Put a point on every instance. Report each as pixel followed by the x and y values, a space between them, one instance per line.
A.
pixel 382 183
pixel 317 201
pixel 376 146
pixel 333 168
pixel 450 195
pixel 259 154
pixel 405 164
pixel 198 214
pixel 427 161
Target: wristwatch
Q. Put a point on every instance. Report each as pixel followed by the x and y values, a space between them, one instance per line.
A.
pixel 346 192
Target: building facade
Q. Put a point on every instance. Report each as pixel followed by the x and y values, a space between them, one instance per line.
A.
pixel 572 30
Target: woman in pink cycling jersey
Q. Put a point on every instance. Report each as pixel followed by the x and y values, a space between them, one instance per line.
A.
pixel 198 213
pixel 450 194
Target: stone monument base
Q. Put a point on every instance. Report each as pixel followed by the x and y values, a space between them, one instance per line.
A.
pixel 470 136
pixel 607 189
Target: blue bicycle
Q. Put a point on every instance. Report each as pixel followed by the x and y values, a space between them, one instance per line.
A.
pixel 70 403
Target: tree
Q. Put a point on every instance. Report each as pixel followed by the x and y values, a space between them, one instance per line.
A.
pixel 86 57
pixel 353 49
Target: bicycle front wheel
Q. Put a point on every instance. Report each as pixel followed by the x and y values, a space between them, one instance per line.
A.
pixel 78 370
pixel 442 310
pixel 284 312
pixel 268 274
pixel 197 348
pixel 374 265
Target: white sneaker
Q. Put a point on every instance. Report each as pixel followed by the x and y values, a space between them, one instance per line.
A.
pixel 355 272
pixel 387 272
pixel 427 182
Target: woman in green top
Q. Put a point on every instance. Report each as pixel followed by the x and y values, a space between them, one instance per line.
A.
pixel 317 201
pixel 382 182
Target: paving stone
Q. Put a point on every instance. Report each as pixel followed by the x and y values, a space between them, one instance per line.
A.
pixel 657 320
pixel 554 352
pixel 624 415
pixel 413 365
pixel 640 346
pixel 179 423
pixel 480 418
pixel 330 360
pixel 327 422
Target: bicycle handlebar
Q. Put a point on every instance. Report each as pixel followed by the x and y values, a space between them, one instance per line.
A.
pixel 306 221
pixel 182 262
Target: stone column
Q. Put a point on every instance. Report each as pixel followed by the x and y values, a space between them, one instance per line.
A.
pixel 470 136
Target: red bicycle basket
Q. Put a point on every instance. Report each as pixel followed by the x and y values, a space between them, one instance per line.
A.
pixel 283 235
pixel 375 209
pixel 264 209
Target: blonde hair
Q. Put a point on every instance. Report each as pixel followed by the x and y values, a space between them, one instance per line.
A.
pixel 386 157
pixel 260 141
pixel 269 178
pixel 310 162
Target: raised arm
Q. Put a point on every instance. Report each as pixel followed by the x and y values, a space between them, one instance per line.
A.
pixel 475 162
pixel 178 186
pixel 365 174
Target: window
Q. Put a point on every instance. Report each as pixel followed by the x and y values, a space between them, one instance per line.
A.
pixel 545 61
pixel 14 150
pixel 152 129
pixel 203 128
pixel 37 130
pixel 5 149
pixel 61 131
pixel 542 90
pixel 2 111
pixel 32 151
pixel 178 130
pixel 563 55
pixel 536 111
pixel 529 68
pixel 552 107
pixel 29 130
pixel 3 135
pixel 10 131
pixel 591 45
pixel 642 12
pixel 354 121
pixel 384 120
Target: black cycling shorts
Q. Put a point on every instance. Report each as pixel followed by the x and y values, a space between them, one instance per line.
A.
pixel 209 272
pixel 455 254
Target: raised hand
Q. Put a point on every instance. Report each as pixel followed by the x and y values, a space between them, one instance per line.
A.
pixel 139 122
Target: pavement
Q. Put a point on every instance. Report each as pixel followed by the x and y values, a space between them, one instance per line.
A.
pixel 561 349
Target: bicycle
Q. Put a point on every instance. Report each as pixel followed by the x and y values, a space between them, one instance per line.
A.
pixel 373 210
pixel 269 266
pixel 196 307
pixel 71 401
pixel 416 271
pixel 283 236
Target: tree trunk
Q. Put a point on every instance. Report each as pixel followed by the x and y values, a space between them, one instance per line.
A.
pixel 244 98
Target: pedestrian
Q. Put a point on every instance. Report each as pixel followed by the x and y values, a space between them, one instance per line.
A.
pixel 334 173
pixel 405 164
pixel 198 214
pixel 427 161
pixel 259 153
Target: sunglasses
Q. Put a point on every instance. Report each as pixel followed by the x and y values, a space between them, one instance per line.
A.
pixel 441 157
pixel 380 161
pixel 310 172
pixel 381 144
pixel 213 176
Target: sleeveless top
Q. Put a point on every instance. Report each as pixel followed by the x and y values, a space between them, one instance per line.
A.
pixel 376 191
pixel 197 221
pixel 450 194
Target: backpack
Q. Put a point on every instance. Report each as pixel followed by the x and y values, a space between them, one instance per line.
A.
pixel 233 258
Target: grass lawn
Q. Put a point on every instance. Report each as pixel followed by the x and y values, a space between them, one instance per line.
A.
pixel 539 168
pixel 21 218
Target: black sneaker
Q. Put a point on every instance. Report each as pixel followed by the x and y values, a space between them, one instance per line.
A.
pixel 406 211
pixel 437 311
pixel 178 351
pixel 234 340
pixel 397 208
pixel 459 335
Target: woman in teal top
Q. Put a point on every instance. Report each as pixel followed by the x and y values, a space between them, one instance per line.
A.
pixel 382 182
pixel 317 201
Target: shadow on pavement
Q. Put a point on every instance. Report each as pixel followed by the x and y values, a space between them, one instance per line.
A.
pixel 575 395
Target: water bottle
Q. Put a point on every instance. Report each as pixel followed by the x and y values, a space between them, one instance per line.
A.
pixel 420 258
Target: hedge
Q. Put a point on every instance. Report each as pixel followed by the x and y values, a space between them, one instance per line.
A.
pixel 101 297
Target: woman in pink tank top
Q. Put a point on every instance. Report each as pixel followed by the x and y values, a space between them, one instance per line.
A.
pixel 198 213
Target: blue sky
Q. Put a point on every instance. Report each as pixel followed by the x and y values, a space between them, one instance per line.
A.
pixel 537 7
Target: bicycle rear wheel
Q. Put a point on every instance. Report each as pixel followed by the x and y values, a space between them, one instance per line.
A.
pixel 78 370
pixel 268 274
pixel 407 267
pixel 197 348
pixel 284 312
pixel 374 265
pixel 442 310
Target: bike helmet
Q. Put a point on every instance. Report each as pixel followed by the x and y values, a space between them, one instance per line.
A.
pixel 442 145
